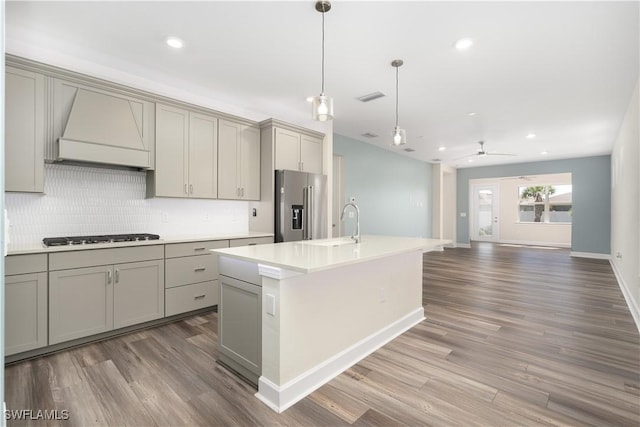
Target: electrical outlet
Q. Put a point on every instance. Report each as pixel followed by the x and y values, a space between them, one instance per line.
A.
pixel 463 214
pixel 165 217
pixel 254 212
pixel 207 217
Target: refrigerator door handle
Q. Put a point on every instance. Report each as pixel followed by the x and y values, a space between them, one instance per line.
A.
pixel 305 210
pixel 311 219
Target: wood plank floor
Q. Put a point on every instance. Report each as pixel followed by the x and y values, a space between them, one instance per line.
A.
pixel 513 336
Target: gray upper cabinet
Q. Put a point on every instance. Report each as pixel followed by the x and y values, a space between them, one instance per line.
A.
pixel 24 130
pixel 238 161
pixel 186 154
pixel 100 125
pixel 297 151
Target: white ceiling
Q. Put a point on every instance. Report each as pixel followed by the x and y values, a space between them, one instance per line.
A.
pixel 562 70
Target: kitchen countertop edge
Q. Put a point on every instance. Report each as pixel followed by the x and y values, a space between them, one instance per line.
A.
pixel 250 253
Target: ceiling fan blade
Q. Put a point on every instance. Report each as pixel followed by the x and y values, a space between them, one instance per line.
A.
pixel 499 154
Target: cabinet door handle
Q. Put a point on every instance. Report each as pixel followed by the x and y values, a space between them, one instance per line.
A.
pixel 199 249
pixel 302 166
pixel 109 278
pixel 190 188
pixel 199 269
pixel 185 189
pixel 242 192
pixel 117 275
pixel 199 296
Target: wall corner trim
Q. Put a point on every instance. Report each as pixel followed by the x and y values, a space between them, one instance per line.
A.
pixel 633 305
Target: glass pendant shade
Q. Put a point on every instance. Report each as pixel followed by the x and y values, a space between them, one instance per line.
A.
pixel 399 136
pixel 322 108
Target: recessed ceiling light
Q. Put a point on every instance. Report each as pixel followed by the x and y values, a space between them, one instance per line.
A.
pixel 471 114
pixel 463 44
pixel 442 148
pixel 531 136
pixel 175 42
pixel 470 160
pixel 544 153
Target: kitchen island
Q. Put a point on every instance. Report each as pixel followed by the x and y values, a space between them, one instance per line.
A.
pixel 294 315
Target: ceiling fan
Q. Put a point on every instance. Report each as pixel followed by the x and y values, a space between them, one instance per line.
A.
pixel 482 153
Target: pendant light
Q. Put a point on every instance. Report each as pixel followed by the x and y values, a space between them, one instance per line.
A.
pixel 399 135
pixel 322 104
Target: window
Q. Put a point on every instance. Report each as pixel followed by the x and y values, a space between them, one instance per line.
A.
pixel 545 203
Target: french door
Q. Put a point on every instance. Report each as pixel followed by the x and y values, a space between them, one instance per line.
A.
pixel 485 212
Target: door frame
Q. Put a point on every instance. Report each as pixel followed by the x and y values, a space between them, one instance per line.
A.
pixel 473 217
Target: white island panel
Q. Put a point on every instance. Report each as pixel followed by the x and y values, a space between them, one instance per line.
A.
pixel 326 322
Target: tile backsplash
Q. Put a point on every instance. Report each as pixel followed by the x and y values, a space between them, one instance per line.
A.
pixel 81 200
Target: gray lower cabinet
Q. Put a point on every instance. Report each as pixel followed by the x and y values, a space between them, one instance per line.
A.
pixel 138 293
pixel 80 303
pixel 90 300
pixel 240 319
pixel 25 292
pixel 191 276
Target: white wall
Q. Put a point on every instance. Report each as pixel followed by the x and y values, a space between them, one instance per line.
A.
pixel 81 200
pixel 444 202
pixel 625 206
pixel 513 231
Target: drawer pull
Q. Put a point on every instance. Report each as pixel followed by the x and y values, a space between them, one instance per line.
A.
pixel 199 249
pixel 199 296
pixel 199 269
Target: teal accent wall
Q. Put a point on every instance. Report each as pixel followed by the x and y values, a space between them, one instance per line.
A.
pixel 591 180
pixel 392 191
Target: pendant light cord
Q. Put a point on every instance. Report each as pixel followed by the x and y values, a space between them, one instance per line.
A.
pixel 397 96
pixel 322 91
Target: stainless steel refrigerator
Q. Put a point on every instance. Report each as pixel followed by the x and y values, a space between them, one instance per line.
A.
pixel 300 206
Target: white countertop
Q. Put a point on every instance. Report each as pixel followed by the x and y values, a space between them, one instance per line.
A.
pixel 163 241
pixel 309 256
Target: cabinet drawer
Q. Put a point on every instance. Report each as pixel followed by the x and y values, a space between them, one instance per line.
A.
pixel 191 297
pixel 193 248
pixel 191 269
pixel 92 257
pixel 21 264
pixel 250 241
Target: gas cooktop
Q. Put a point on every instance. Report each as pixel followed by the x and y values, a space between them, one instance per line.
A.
pixel 108 238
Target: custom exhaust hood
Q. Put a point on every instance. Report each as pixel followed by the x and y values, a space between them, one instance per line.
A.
pixel 105 128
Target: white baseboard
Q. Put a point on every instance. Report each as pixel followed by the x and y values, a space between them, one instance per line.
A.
pixel 535 243
pixel 279 398
pixel 631 303
pixel 463 245
pixel 592 255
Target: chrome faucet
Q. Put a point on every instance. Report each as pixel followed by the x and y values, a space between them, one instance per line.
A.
pixel 356 234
